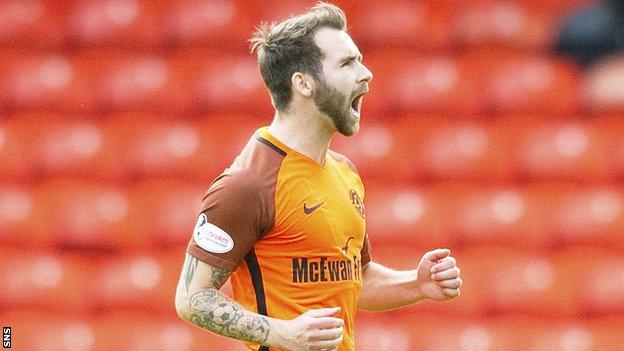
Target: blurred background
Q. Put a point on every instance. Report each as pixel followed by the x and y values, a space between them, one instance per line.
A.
pixel 494 128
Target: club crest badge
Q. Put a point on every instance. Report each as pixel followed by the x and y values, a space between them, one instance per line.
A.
pixel 357 202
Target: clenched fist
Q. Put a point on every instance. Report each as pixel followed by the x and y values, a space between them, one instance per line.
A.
pixel 438 276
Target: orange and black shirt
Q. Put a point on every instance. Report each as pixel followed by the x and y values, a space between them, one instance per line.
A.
pixel 292 230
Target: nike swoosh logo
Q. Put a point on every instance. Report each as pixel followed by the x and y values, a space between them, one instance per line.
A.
pixel 309 210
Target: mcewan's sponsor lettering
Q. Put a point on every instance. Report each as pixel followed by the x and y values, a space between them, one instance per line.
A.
pixel 323 269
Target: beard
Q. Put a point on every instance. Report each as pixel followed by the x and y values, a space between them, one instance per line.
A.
pixel 336 106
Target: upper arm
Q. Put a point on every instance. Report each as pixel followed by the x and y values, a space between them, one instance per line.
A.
pixel 235 213
pixel 229 224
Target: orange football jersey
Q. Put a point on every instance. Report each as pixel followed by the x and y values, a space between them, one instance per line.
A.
pixel 293 231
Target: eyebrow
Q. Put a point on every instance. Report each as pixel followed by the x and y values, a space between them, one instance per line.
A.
pixel 350 58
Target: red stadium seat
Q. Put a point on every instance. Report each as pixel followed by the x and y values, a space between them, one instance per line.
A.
pixel 401 24
pixel 501 23
pixel 613 128
pixel 187 150
pixel 377 332
pixel 229 83
pixel 15 158
pixel 276 10
pixel 557 150
pixel 137 331
pixel 430 333
pixel 19 212
pixel 140 281
pixel 217 23
pixel 164 212
pixel 164 148
pixel 134 83
pixel 496 214
pixel 432 84
pixel 43 280
pixel 118 23
pixel 408 215
pixel 607 333
pixel 598 286
pixel 60 332
pixel 457 151
pixel 43 82
pixel 86 214
pixel 518 281
pixel 74 148
pixel 524 83
pixel 548 334
pixel 582 214
pixel 30 23
pixel 427 147
pixel 603 88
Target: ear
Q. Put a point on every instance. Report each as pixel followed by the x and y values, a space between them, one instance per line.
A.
pixel 303 84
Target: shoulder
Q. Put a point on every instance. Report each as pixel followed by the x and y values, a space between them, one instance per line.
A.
pixel 239 183
pixel 239 200
pixel 342 159
pixel 253 172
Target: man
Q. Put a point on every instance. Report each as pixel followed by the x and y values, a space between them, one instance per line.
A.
pixel 286 221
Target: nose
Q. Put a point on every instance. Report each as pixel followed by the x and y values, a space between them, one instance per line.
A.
pixel 365 74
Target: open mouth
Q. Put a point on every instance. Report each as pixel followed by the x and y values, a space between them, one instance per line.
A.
pixel 356 105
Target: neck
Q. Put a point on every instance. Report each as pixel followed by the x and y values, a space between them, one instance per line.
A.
pixel 302 132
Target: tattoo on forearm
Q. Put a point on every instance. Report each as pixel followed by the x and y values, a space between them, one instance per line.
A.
pixel 190 264
pixel 213 311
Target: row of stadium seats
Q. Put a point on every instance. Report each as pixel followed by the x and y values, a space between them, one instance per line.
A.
pixel 428 333
pixel 137 332
pixel 161 213
pixel 410 148
pixel 581 281
pixel 476 82
pixel 228 24
pixel 35 330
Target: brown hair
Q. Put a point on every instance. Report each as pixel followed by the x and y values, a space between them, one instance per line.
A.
pixel 288 47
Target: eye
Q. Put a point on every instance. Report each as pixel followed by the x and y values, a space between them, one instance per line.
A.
pixel 348 63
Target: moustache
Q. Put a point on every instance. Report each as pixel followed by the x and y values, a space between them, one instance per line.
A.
pixel 360 91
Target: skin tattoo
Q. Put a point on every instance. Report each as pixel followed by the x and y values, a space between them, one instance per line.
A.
pixel 212 310
pixel 190 264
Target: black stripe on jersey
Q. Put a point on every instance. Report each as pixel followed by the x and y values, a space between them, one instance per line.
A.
pixel 271 145
pixel 258 285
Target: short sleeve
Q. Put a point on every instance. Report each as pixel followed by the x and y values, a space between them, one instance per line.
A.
pixel 365 254
pixel 233 217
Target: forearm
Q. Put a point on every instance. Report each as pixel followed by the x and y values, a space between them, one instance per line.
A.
pixel 212 310
pixel 386 289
